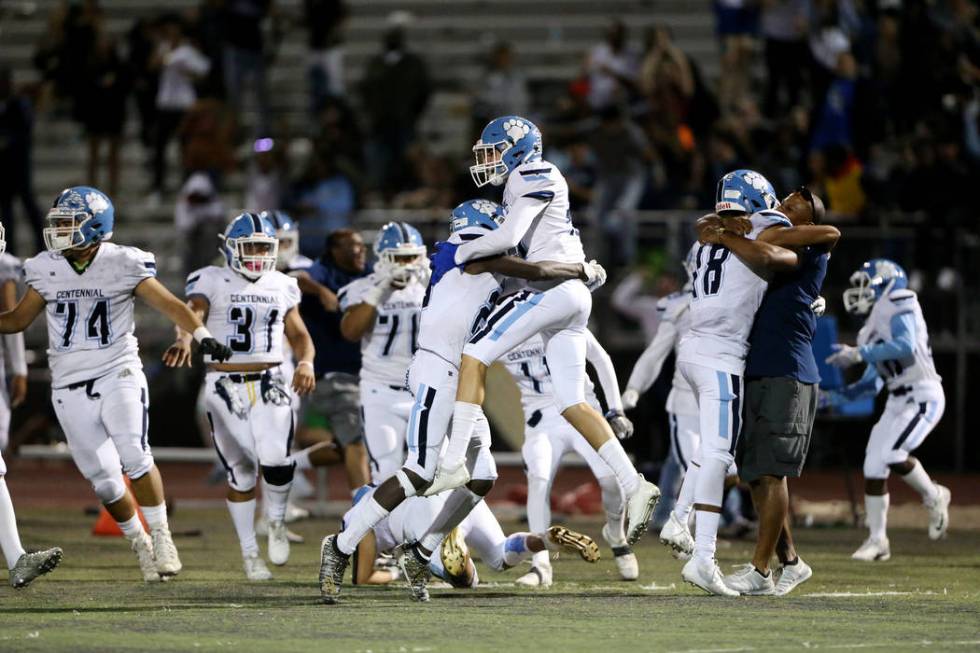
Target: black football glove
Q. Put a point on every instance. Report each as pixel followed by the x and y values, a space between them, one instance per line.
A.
pixel 218 352
pixel 620 424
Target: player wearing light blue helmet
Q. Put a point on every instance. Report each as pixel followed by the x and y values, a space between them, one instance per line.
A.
pixel 401 252
pixel 482 214
pixel 81 216
pixel 744 191
pixel 505 143
pixel 250 246
pixel 287 232
pixel 870 282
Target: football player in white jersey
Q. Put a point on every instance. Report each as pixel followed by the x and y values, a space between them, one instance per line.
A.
pixel 480 531
pixel 894 346
pixel 452 311
pixel 548 437
pixel 538 220
pixel 86 285
pixel 11 346
pixel 24 567
pixel 382 311
pixel 251 306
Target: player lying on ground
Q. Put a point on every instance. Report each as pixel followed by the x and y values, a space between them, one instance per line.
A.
pixel 537 219
pixel 894 346
pixel 86 285
pixel 479 531
pixel 251 305
pixel 548 437
pixel 453 310
pixel 24 567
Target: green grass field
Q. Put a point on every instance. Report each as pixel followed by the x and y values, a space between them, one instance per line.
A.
pixel 927 596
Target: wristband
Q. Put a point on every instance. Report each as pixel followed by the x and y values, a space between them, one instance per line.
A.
pixel 200 333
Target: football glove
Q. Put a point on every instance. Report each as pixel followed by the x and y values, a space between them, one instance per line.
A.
pixel 620 424
pixel 630 398
pixel 595 275
pixel 218 352
pixel 819 306
pixel 273 390
pixel 443 260
pixel 226 390
pixel 844 356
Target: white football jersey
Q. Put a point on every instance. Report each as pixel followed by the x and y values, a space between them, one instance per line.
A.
pixel 551 237
pixel 11 269
pixel 529 367
pixel 675 308
pixel 90 314
pixel 878 328
pixel 725 296
pixel 246 315
pixel 455 307
pixel 386 351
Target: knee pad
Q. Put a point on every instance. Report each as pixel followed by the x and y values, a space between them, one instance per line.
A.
pixel 406 483
pixel 108 487
pixel 137 466
pixel 875 467
pixel 278 475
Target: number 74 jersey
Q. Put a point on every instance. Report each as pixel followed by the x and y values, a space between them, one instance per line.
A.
pixel 246 315
pixel 90 314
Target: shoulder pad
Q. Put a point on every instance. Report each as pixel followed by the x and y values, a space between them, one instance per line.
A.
pixel 901 296
pixel 769 218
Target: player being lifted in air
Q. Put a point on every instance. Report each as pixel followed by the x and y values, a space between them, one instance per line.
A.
pixel 893 345
pixel 452 311
pixel 86 285
pixel 250 305
pixel 538 222
pixel 24 567
pixel 382 311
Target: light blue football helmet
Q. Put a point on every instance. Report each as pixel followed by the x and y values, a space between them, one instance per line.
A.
pixel 400 251
pixel 744 191
pixel 476 213
pixel 287 231
pixel 250 245
pixel 504 144
pixel 874 279
pixel 81 216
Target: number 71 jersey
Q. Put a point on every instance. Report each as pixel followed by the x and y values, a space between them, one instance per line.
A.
pixel 90 314
pixel 246 315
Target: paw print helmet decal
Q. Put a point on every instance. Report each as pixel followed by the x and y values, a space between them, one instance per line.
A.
pixel 504 144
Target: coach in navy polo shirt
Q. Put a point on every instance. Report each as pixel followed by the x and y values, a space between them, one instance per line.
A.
pixel 338 361
pixel 781 386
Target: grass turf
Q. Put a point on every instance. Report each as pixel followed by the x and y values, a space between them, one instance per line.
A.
pixel 927 596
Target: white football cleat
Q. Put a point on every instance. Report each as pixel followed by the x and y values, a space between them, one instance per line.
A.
pixel 165 552
pixel 939 513
pixel 255 568
pixel 278 543
pixel 639 507
pixel 706 576
pixel 539 576
pixel 748 580
pixel 791 576
pixel 447 479
pixel 626 562
pixel 873 550
pixel 262 530
pixel 677 536
pixel 143 547
pixel 454 553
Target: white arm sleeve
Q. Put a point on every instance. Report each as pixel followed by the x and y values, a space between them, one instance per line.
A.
pixel 508 235
pixel 13 344
pixel 651 361
pixel 595 354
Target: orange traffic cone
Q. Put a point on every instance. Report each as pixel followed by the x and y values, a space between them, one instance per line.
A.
pixel 106 525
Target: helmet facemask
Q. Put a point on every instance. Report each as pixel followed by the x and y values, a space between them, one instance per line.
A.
pixel 402 263
pixel 861 296
pixel 288 248
pixel 252 256
pixel 489 167
pixel 64 230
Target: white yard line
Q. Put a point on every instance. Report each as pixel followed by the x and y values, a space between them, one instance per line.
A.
pixel 852 645
pixel 838 595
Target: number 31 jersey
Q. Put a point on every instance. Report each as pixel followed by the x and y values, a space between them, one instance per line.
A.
pixel 246 315
pixel 90 314
pixel 725 296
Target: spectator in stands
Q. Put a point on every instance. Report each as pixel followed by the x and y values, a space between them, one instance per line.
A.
pixel 325 19
pixel 207 138
pixel 840 173
pixel 395 91
pixel 245 54
pixel 577 164
pixel 612 67
pixel 83 24
pixel 180 63
pixel 737 24
pixel 501 89
pixel 434 189
pixel 666 77
pixel 143 40
pixel 199 215
pixel 266 177
pixel 784 29
pixel 16 162
pixel 322 200
pixel 102 108
pixel 338 136
pixel 209 26
pixel 49 58
pixel 834 115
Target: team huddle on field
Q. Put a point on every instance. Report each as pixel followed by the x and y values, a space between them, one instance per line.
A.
pixel 510 283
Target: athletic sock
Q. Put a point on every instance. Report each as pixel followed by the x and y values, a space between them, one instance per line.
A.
pixel 706 538
pixel 541 559
pixel 274 498
pixel 538 504
pixel 516 549
pixel 363 516
pixel 876 508
pixel 919 480
pixel 685 499
pixel 243 517
pixel 613 504
pixel 132 528
pixel 460 503
pixel 615 456
pixel 9 538
pixel 156 516
pixel 465 417
pixel 708 491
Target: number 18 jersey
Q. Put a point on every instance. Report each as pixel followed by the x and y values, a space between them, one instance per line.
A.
pixel 725 296
pixel 246 315
pixel 90 314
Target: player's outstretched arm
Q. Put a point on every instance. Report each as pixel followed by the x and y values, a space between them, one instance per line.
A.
pixel 309 286
pixel 179 353
pixel 513 266
pixel 156 295
pixel 304 379
pixel 509 234
pixel 358 320
pixel 648 366
pixel 13 347
pixel 806 235
pixel 27 309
